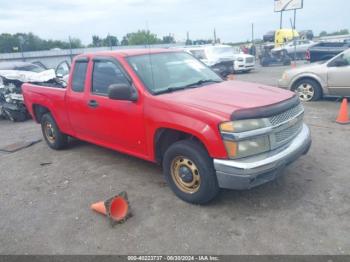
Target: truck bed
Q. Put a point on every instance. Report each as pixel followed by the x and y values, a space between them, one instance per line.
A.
pixel 50 97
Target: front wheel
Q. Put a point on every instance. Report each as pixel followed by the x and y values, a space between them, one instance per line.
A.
pixel 308 90
pixel 190 173
pixel 52 134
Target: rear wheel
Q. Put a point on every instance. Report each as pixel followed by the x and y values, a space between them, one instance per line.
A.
pixel 190 173
pixel 53 136
pixel 308 90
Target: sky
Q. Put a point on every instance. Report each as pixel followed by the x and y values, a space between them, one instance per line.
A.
pixel 232 19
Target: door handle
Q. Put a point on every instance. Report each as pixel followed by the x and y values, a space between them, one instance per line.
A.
pixel 93 103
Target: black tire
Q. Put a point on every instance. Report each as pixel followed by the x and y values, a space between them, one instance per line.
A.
pixel 314 84
pixel 197 154
pixel 60 140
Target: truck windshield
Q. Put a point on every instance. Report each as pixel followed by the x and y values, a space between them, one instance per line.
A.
pixel 171 71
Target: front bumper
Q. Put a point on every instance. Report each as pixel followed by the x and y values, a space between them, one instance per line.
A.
pixel 253 171
pixel 283 84
pixel 241 66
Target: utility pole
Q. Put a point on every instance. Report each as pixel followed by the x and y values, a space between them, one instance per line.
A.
pixel 215 40
pixel 281 19
pixel 253 33
pixel 109 41
pixel 70 48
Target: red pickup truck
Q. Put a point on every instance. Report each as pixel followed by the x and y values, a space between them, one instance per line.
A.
pixel 167 107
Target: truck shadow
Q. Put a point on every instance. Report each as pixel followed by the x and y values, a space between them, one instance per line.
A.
pixel 284 192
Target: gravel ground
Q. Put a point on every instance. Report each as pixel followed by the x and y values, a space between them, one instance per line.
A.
pixel 45 208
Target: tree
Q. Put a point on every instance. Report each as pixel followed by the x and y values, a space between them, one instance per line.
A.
pixel 168 39
pixel 340 32
pixel 125 41
pixel 141 37
pixel 323 33
pixel 96 41
pixel 110 41
pixel 22 42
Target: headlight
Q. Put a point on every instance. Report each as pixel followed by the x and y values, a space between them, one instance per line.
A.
pixel 247 147
pixel 240 59
pixel 244 148
pixel 243 125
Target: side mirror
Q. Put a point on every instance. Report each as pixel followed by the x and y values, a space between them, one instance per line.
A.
pixel 122 92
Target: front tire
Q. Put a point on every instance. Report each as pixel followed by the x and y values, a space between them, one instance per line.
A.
pixel 307 90
pixel 52 134
pixel 190 173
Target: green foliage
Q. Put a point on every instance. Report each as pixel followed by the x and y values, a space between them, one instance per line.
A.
pixel 108 41
pixel 168 39
pixel 23 42
pixel 340 32
pixel 141 37
pixel 29 42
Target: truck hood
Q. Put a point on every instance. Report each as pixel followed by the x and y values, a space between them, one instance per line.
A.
pixel 241 55
pixel 223 99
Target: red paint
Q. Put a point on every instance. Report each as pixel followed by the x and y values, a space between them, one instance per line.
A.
pixel 130 127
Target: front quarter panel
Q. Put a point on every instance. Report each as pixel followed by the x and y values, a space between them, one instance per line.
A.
pixel 188 121
pixel 320 76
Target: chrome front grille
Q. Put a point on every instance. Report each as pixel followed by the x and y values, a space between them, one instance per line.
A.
pixel 286 126
pixel 286 116
pixel 288 133
pixel 249 60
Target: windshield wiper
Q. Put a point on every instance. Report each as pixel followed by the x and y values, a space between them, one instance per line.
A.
pixel 201 82
pixel 192 85
pixel 169 90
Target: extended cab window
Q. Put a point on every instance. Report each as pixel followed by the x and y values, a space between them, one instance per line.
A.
pixel 106 73
pixel 79 75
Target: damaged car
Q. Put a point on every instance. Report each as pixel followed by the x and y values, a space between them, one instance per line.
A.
pixel 12 76
pixel 223 59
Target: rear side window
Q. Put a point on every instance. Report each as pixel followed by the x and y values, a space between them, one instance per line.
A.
pixel 106 73
pixel 79 75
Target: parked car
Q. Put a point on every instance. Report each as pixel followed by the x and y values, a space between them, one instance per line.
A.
pixel 223 59
pixel 62 70
pixel 299 47
pixel 12 76
pixel 21 66
pixel 314 81
pixel 325 50
pixel 306 34
pixel 167 107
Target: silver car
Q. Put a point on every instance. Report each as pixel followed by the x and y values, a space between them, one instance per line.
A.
pixel 327 78
pixel 301 46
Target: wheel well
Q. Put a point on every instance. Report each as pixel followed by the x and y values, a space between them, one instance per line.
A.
pixel 165 137
pixel 39 111
pixel 306 78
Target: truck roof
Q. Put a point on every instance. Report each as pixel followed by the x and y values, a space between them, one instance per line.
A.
pixel 131 52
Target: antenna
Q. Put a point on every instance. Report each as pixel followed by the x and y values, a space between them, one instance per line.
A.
pixel 149 52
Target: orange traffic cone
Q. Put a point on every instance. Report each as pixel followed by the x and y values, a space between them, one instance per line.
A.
pixel 116 208
pixel 343 116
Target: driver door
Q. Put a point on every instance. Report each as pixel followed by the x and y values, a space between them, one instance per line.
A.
pixel 339 75
pixel 114 123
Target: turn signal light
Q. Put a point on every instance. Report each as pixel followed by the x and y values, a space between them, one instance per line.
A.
pixel 231 148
